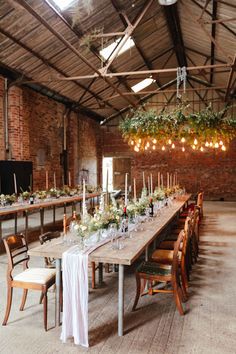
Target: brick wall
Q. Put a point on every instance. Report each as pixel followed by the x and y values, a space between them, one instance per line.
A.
pixel 36 134
pixel 213 172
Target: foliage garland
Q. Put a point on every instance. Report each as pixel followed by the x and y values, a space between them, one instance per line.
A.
pixel 142 128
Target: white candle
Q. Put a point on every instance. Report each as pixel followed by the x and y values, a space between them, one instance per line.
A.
pixel 144 184
pixel 151 185
pixel 148 185
pixel 83 197
pixel 167 181
pixel 159 181
pixel 171 180
pixel 126 189
pixel 54 180
pixel 69 178
pixel 176 180
pixel 46 185
pixel 174 183
pixel 15 185
pixel 135 197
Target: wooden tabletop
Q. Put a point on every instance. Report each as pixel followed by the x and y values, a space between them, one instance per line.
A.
pixel 133 247
pixel 13 209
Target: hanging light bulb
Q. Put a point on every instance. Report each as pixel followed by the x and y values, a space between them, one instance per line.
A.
pixel 221 143
pixel 183 149
pixel 195 141
pixel 136 149
pixel 148 144
pixel 163 148
pixel 207 144
pixel 146 147
pixel 169 141
pixel 183 140
pixel 194 147
pixel 211 144
pixel 223 148
pixel 154 141
pixel 216 145
pixel 139 140
pixel 138 145
pixel 132 142
pixel 153 147
pixel 173 146
pixel 201 149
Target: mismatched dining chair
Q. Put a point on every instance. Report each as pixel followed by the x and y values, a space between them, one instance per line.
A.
pixel 168 274
pixel 48 237
pixel 30 278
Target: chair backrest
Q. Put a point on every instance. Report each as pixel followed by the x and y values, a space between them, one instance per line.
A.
pixel 177 250
pixel 17 251
pixel 48 236
pixel 67 221
pixel 200 202
pixel 195 222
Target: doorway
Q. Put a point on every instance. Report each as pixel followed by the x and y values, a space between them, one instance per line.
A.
pixel 116 168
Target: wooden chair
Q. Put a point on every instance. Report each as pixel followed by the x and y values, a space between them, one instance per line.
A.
pixel 190 207
pixel 168 274
pixel 31 278
pixel 165 256
pixel 47 237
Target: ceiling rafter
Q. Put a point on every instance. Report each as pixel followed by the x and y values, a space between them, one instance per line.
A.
pixel 67 44
pixel 197 93
pixel 92 48
pixel 213 34
pixel 230 78
pixel 124 20
pixel 50 65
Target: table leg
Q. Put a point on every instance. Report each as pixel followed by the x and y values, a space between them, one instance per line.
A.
pixel 26 224
pixel 41 220
pixel 58 287
pixel 121 300
pixel 100 274
pixel 15 217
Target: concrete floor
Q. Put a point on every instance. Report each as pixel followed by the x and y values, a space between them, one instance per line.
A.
pixel 209 326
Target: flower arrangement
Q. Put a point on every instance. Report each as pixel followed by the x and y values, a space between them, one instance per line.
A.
pixel 146 129
pixel 7 199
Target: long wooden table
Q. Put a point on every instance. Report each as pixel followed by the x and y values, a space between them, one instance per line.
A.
pixel 133 248
pixel 40 206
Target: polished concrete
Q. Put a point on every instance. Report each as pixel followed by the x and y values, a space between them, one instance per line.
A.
pixel 209 326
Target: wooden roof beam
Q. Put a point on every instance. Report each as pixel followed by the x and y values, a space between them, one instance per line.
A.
pixel 230 78
pixel 67 44
pixel 213 34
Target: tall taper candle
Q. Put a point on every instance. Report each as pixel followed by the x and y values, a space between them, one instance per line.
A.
pixel 135 196
pixel 151 185
pixel 54 180
pixel 171 180
pixel 159 182
pixel 83 197
pixel 148 185
pixel 174 184
pixel 15 184
pixel 162 183
pixel 69 179
pixel 144 184
pixel 46 185
pixel 126 189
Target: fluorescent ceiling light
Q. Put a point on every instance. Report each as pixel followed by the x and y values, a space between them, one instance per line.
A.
pixel 63 4
pixel 142 84
pixel 106 52
pixel 167 2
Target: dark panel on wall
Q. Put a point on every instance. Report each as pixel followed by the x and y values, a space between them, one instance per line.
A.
pixel 23 172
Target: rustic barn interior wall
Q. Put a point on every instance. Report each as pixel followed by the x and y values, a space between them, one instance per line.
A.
pixel 35 129
pixel 213 171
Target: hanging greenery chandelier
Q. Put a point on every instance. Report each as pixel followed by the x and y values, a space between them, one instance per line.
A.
pixel 147 130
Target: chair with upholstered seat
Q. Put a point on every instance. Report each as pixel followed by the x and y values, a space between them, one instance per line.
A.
pixel 30 278
pixel 167 274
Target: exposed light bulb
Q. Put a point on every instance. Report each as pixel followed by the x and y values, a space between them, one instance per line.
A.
pixel 163 148
pixel 223 148
pixel 183 149
pixel 154 141
pixel 211 144
pixel 194 147
pixel 132 142
pixel 146 148
pixel 153 147
pixel 221 143
pixel 216 145
pixel 201 148
pixel 139 140
pixel 148 144
pixel 195 142
pixel 207 144
pixel 182 140
pixel 173 146
pixel 169 141
pixel 138 145
pixel 136 149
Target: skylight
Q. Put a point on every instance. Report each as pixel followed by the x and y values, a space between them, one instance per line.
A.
pixel 142 84
pixel 63 4
pixel 106 52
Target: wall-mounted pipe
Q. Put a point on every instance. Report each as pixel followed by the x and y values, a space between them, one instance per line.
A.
pixel 6 131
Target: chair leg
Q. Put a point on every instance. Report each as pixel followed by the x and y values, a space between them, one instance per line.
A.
pixel 45 310
pixel 138 281
pixel 25 292
pixel 9 302
pixel 93 275
pixel 41 298
pixel 177 297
